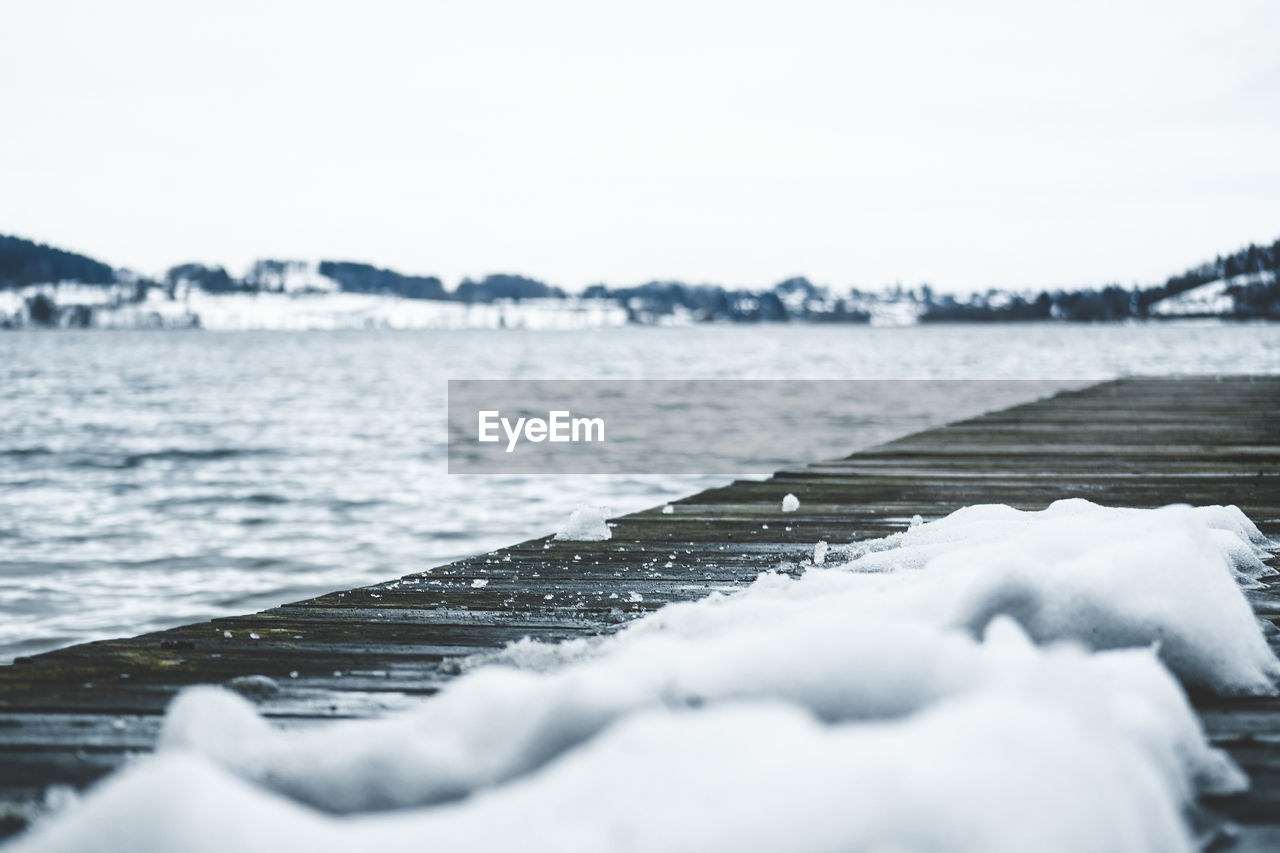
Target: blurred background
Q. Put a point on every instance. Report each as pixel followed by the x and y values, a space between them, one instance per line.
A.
pixel 244 246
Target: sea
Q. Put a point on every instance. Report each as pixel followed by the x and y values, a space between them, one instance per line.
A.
pixel 154 478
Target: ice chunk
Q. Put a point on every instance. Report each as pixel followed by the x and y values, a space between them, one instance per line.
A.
pixel 255 686
pixel 790 503
pixel 586 524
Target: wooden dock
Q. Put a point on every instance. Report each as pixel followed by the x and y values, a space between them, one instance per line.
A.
pixel 67 717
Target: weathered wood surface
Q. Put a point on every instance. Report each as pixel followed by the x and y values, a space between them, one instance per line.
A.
pixel 69 716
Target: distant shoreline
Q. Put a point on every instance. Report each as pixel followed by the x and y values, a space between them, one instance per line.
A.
pixel 78 306
pixel 43 286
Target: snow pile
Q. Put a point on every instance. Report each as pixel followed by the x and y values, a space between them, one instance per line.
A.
pixel 999 672
pixel 586 524
pixel 1101 576
pixel 995 779
pixel 499 723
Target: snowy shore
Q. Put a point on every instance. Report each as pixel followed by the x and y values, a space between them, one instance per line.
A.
pixel 114 308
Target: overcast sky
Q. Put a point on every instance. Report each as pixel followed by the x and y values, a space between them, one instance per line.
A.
pixel 958 143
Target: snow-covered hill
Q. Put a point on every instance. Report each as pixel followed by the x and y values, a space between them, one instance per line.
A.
pixel 1213 299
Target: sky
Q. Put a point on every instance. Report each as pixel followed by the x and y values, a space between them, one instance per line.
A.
pixel 974 144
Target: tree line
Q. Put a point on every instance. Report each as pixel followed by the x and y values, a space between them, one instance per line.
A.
pixel 23 262
pixel 1252 275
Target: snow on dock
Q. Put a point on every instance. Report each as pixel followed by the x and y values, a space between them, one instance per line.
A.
pixel 877 614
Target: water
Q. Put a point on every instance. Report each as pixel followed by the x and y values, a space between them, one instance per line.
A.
pixel 149 479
